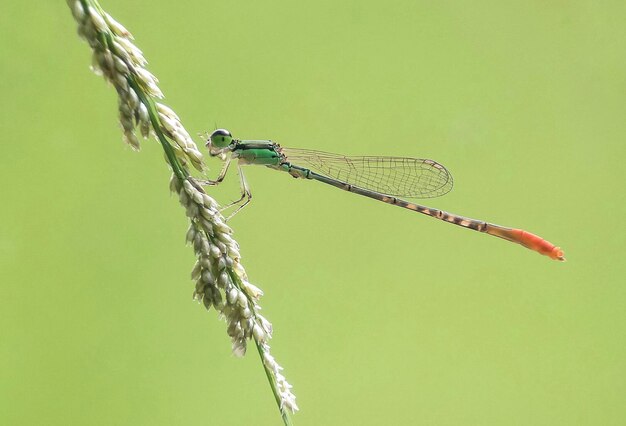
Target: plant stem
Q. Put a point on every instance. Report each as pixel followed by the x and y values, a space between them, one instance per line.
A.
pixel 180 172
pixel 270 378
pixel 283 413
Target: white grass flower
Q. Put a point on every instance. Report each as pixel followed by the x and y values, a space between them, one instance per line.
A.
pixel 220 279
pixel 97 19
pixel 77 11
pixel 117 28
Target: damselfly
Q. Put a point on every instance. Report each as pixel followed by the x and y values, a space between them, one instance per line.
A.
pixel 381 178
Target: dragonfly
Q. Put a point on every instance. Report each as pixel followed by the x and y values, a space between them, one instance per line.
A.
pixel 386 179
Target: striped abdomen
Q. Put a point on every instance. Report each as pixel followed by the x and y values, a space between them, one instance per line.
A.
pixel 519 236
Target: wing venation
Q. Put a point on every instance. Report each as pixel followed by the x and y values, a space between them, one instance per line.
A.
pixel 395 176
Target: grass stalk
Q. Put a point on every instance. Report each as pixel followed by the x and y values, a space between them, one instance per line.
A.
pixel 220 279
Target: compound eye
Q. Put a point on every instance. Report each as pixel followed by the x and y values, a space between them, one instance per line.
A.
pixel 221 138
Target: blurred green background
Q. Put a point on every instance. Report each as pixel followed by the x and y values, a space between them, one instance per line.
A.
pixel 381 316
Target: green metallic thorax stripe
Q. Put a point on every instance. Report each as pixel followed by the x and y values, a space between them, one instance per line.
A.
pixel 262 153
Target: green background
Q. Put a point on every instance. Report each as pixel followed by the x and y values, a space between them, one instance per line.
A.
pixel 381 316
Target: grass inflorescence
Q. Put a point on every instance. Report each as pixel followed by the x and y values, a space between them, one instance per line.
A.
pixel 221 280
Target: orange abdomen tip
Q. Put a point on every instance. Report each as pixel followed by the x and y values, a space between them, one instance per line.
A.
pixel 557 254
pixel 538 244
pixel 528 240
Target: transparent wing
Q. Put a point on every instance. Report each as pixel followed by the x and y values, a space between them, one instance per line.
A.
pixel 396 176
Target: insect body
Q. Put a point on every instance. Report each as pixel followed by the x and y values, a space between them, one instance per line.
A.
pixel 386 179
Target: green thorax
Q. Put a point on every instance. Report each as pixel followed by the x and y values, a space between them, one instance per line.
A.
pixel 262 153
